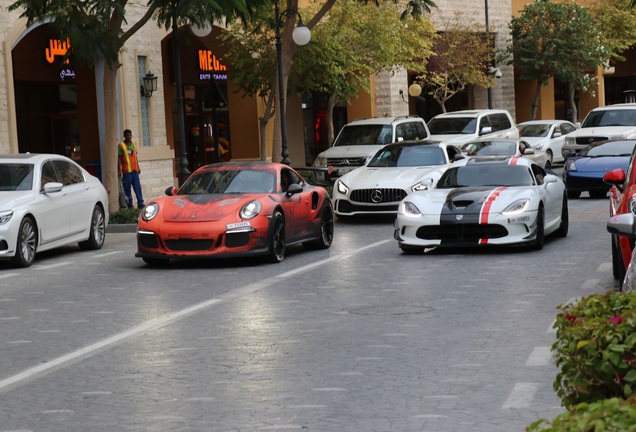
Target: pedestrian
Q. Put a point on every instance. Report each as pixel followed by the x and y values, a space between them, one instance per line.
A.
pixel 128 169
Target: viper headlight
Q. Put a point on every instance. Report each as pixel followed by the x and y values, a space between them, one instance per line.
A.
pixel 516 207
pixel 149 212
pixel 5 216
pixel 250 210
pixel 409 209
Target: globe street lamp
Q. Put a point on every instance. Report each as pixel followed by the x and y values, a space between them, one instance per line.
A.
pixel 301 36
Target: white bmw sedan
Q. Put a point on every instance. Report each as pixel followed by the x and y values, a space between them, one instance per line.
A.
pixel 505 201
pixel 47 201
pixel 395 171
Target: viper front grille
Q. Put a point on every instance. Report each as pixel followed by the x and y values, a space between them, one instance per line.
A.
pixel 461 232
pixel 378 196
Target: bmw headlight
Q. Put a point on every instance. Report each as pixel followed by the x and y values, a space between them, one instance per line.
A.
pixel 250 210
pixel 409 209
pixel 570 165
pixel 5 216
pixel 341 187
pixel 516 207
pixel 149 212
pixel 320 162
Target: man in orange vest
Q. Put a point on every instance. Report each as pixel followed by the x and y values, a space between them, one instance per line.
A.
pixel 129 168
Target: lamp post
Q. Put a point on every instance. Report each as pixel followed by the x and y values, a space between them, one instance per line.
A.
pixel 488 40
pixel 184 172
pixel 301 36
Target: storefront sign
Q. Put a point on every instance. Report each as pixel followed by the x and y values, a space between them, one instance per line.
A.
pixel 57 48
pixel 211 67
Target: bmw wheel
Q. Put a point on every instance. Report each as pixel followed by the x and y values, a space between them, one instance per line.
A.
pixel 97 233
pixel 277 239
pixel 26 244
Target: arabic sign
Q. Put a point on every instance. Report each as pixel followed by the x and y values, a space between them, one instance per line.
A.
pixel 57 48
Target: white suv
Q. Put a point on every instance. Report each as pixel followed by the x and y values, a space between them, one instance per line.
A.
pixel 359 140
pixel 608 123
pixel 460 127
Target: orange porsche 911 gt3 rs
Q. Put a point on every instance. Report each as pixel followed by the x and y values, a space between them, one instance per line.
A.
pixel 236 209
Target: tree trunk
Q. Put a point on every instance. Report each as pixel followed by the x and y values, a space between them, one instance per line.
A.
pixel 535 102
pixel 112 137
pixel 572 103
pixel 331 103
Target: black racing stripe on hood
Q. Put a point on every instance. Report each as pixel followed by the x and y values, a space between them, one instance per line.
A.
pixel 465 202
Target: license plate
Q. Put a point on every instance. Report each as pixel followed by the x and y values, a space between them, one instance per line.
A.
pixel 237 225
pixel 520 219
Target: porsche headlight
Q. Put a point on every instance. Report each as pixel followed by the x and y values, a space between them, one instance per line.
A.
pixel 409 209
pixel 5 216
pixel 570 165
pixel 516 207
pixel 250 210
pixel 341 187
pixel 149 212
pixel 320 162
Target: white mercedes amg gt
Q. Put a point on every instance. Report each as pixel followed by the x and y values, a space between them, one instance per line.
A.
pixel 395 171
pixel 506 201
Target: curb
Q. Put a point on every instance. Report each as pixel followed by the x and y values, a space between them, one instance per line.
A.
pixel 121 228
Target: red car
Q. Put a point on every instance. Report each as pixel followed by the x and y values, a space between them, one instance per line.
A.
pixel 236 209
pixel 622 198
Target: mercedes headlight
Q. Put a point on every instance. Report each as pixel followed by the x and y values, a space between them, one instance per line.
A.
pixel 341 187
pixel 250 210
pixel 422 185
pixel 5 216
pixel 516 207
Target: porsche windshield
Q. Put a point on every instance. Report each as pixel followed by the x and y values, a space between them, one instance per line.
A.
pixel 408 156
pixel 486 175
pixel 367 134
pixel 14 176
pixel 230 181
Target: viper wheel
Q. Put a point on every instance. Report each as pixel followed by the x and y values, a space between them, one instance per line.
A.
pixel 565 219
pixel 26 244
pixel 539 240
pixel 277 239
pixel 97 233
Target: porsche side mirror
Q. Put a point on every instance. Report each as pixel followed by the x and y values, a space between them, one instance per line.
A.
pixel 622 224
pixel 171 191
pixel 293 189
pixel 615 177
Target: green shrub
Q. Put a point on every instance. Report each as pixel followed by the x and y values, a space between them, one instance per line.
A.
pixel 124 216
pixel 596 348
pixel 608 415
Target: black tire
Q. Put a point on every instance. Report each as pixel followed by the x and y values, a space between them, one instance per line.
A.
pixel 277 239
pixel 565 219
pixel 97 234
pixel 326 230
pixel 598 193
pixel 26 245
pixel 618 267
pixel 156 262
pixel 548 164
pixel 539 240
pixel 574 194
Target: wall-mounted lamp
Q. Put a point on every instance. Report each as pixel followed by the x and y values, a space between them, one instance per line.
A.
pixel 150 84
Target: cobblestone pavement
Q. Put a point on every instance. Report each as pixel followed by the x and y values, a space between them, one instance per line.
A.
pixel 355 338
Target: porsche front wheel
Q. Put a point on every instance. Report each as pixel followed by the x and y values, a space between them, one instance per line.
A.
pixel 277 239
pixel 326 230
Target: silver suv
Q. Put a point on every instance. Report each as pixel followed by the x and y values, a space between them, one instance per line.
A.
pixel 359 140
pixel 460 127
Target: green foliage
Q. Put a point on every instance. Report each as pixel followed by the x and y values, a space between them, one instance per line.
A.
pixel 608 415
pixel 596 348
pixel 124 216
pixel 616 24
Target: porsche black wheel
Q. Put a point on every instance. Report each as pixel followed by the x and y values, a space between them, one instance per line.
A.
pixel 326 230
pixel 539 240
pixel 565 219
pixel 26 244
pixel 277 239
pixel 97 233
